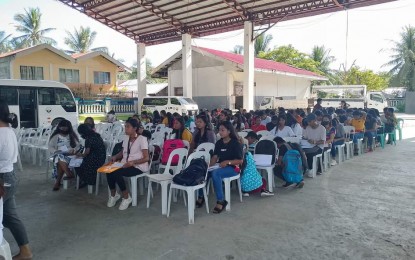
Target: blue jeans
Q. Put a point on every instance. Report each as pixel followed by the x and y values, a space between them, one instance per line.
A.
pixel 357 136
pixel 333 148
pixel 370 136
pixel 217 176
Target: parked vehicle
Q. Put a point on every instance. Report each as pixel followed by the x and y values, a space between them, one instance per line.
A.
pixel 285 102
pixel 181 105
pixel 39 102
pixel 355 96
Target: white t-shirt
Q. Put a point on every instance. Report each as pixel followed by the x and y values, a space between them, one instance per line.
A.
pixel 266 121
pixel 315 134
pixel 298 130
pixel 8 149
pixel 136 151
pixel 285 132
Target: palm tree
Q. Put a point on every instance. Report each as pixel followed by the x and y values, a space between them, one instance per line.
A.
pixel 29 24
pixel 322 56
pixel 81 40
pixel 403 58
pixel 4 42
pixel 262 43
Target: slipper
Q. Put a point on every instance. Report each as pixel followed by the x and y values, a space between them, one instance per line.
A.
pixel 217 210
pixel 200 203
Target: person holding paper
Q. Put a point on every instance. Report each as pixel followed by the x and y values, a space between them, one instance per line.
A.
pixel 134 159
pixel 63 143
pixel 228 153
pixel 93 156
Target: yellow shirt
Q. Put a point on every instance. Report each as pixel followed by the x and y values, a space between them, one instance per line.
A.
pixel 359 124
pixel 187 135
pixel 165 121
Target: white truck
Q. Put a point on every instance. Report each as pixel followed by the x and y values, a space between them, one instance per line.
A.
pixel 356 96
pixel 285 102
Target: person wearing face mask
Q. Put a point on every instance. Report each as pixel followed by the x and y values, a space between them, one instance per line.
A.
pixel 111 118
pixel 93 156
pixel 63 142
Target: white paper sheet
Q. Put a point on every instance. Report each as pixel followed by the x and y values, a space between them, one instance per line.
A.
pixel 263 159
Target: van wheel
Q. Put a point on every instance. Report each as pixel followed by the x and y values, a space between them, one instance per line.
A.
pixel 56 121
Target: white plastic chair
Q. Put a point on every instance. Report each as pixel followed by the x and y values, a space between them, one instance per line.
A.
pixel 227 182
pixel 264 133
pixel 242 134
pixel 340 153
pixel 349 143
pixel 165 178
pixel 191 190
pixel 205 147
pixel 5 250
pixel 267 137
pixel 268 168
pixel 316 159
pixel 186 144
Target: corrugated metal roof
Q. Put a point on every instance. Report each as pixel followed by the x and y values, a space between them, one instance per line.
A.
pixel 159 21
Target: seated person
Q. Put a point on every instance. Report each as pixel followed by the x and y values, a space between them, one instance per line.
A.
pixel 282 130
pixel 228 153
pixel 252 138
pixel 90 122
pixel 93 156
pixel 338 138
pixel 330 135
pixel 282 149
pixel 203 133
pixel 63 142
pixel 134 157
pixel 358 122
pixel 391 123
pixel 370 131
pixel 111 118
pixel 180 131
pixel 258 126
pixel 274 123
pixel 315 134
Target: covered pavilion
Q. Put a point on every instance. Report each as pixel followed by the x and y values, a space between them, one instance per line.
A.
pixel 151 22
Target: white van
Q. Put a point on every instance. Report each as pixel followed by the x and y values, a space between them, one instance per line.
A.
pixel 181 105
pixel 39 102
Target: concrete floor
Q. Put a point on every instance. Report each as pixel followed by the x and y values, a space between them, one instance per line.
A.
pixel 362 209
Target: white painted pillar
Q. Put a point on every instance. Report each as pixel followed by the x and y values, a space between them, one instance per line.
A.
pixel 11 74
pixel 187 65
pixel 249 68
pixel 169 86
pixel 51 72
pixel 141 74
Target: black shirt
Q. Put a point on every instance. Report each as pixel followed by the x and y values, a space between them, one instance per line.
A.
pixel 271 126
pixel 229 151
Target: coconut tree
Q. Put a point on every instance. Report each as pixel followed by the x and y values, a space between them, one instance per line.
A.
pixel 262 43
pixel 29 23
pixel 80 41
pixel 403 58
pixel 322 56
pixel 4 41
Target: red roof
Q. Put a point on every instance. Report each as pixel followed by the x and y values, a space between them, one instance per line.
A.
pixel 12 52
pixel 77 55
pixel 261 64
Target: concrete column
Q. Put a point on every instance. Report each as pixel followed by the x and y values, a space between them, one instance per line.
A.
pixel 51 72
pixel 187 65
pixel 141 74
pixel 169 86
pixel 87 76
pixel 249 68
pixel 11 72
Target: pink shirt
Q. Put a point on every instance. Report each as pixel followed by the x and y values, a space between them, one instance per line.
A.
pixel 136 151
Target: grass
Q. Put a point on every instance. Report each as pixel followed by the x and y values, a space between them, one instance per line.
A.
pixel 101 117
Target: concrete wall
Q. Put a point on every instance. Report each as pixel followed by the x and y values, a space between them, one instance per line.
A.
pixel 410 102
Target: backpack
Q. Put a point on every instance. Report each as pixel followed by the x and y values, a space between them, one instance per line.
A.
pixel 297 147
pixel 250 177
pixel 168 147
pixel 193 175
pixel 293 166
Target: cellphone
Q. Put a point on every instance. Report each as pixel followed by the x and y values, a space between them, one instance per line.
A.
pixel 7 184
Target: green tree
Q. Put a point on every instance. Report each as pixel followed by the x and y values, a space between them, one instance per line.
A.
pixel 262 43
pixel 289 55
pixel 322 56
pixel 133 74
pixel 29 23
pixel 356 76
pixel 4 42
pixel 80 41
pixel 403 58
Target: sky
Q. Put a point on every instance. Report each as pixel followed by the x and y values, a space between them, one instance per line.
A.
pixel 370 32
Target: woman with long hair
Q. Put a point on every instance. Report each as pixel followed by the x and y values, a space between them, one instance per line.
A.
pixel 8 156
pixel 180 131
pixel 156 117
pixel 281 129
pixel 295 126
pixel 228 153
pixel 93 156
pixel 203 133
pixel 135 157
pixel 237 123
pixel 63 142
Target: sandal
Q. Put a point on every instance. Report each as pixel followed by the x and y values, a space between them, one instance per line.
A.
pixel 200 202
pixel 217 210
pixel 56 187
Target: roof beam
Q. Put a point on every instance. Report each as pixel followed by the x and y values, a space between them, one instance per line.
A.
pixel 151 8
pixel 95 3
pixel 237 8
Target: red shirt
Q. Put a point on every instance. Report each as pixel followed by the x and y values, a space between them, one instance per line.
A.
pixel 257 128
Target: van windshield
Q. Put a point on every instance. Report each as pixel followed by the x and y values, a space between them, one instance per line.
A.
pixel 187 101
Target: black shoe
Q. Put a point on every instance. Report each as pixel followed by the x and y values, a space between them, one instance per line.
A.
pixel 287 184
pixel 200 203
pixel 217 210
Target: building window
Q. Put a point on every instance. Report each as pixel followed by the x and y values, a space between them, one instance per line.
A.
pixel 101 77
pixel 69 75
pixel 31 73
pixel 178 91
